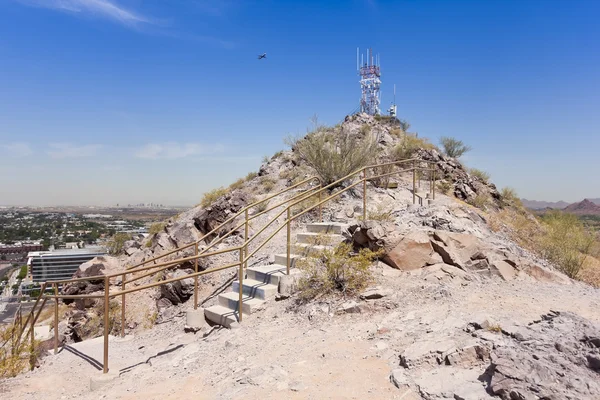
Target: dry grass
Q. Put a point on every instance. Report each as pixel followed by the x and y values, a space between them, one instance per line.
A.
pixel 210 197
pixel 445 187
pixel 250 176
pixel 267 184
pixel 15 358
pixel 480 201
pixel 156 228
pixel 116 243
pixel 509 197
pixel 480 175
pixel 237 184
pixel 409 145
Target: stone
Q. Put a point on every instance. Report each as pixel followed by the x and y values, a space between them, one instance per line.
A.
pixel 375 293
pixel 399 379
pixel 426 352
pixel 535 368
pixel 100 380
pixel 96 267
pixel 179 291
pixel 219 212
pixel 349 307
pixel 503 269
pixel 414 251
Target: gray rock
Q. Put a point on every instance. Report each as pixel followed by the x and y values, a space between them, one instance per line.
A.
pixel 375 293
pixel 349 307
pixel 179 291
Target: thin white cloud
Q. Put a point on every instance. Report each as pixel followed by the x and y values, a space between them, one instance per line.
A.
pixel 17 149
pixel 173 150
pixel 69 150
pixel 109 9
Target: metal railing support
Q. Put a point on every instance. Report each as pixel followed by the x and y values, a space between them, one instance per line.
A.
pixel 289 234
pixel 56 318
pixel 414 183
pixel 364 194
pixel 196 278
pixel 241 281
pixel 123 305
pixel 320 207
pixel 246 239
pixel 433 168
pixel 106 311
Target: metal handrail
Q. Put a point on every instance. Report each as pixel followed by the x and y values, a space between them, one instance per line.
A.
pixel 242 249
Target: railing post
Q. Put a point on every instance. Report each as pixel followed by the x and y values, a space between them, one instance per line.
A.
pixel 241 281
pixel 123 306
pixel 246 239
pixel 433 183
pixel 196 277
pixel 414 183
pixel 364 194
pixel 106 311
pixel 289 234
pixel 55 318
pixel 32 337
pixel 320 206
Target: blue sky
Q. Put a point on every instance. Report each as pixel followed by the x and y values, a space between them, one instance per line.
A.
pixel 126 101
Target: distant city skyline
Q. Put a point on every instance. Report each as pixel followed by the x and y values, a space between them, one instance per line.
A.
pixel 121 101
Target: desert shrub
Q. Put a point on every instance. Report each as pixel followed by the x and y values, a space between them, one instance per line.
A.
pixel 565 242
pixel 156 227
pixel 445 187
pixel 480 201
pixel 409 145
pixel 336 270
pixel 251 175
pixel 365 129
pixel 237 184
pixel 335 154
pixel 211 196
pixel 277 155
pixel 404 125
pixel 453 147
pixel 116 243
pixel 265 159
pixel 508 197
pixel 479 174
pixel 15 358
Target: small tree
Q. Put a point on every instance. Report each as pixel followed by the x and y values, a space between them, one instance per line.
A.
pixel 453 147
pixel 117 242
pixel 335 154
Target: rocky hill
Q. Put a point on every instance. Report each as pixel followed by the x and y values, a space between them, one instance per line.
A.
pixel 458 307
pixel 585 207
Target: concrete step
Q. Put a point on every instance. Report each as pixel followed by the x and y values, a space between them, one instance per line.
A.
pixel 257 289
pixel 281 259
pixel 309 250
pixel 319 238
pixel 267 273
pixel 231 300
pixel 221 315
pixel 325 227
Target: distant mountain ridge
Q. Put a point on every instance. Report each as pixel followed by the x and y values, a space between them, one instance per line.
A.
pixel 585 207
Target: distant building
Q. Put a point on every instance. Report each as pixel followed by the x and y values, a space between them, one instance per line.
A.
pixel 59 264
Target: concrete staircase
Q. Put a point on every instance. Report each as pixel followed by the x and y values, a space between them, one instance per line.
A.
pixel 261 283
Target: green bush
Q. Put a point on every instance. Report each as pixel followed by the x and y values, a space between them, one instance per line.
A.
pixel 251 175
pixel 335 154
pixel 453 147
pixel 565 242
pixel 335 271
pixel 116 243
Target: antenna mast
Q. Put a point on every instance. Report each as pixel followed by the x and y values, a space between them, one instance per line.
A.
pixel 370 83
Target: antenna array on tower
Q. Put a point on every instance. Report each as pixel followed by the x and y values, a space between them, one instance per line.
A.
pixel 370 82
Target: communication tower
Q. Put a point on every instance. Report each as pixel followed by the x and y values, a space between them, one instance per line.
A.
pixel 370 83
pixel 393 110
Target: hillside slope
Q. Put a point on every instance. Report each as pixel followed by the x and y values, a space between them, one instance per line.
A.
pixel 454 294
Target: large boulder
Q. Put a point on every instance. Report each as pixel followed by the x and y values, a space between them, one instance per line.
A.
pixel 221 210
pixel 97 267
pixel 176 292
pixel 555 358
pixel 413 251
